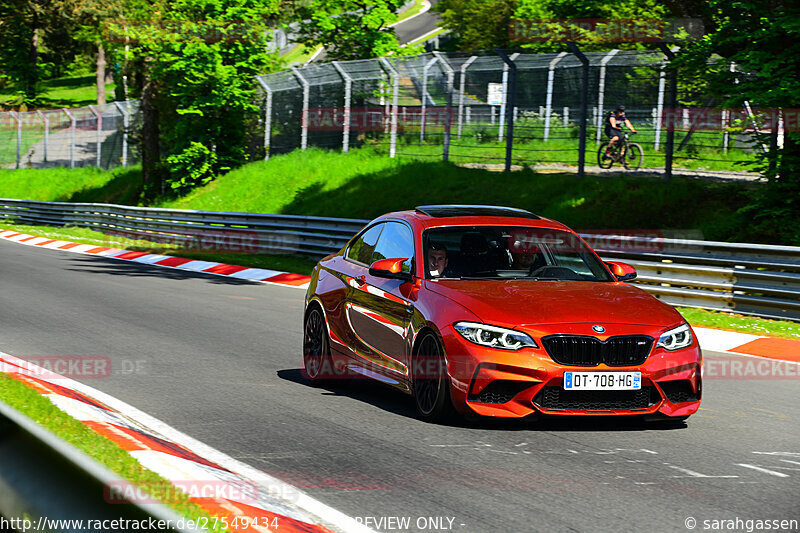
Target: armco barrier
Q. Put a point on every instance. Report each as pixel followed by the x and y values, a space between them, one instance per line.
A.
pixel 755 279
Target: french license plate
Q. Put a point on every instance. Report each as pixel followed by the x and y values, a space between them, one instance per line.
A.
pixel 602 380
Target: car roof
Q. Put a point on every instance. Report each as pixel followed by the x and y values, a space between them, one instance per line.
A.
pixel 454 210
pixel 442 215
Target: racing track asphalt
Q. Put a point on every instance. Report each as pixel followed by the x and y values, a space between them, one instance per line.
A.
pixel 221 363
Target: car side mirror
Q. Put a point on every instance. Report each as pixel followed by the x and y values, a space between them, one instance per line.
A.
pixel 621 271
pixel 390 268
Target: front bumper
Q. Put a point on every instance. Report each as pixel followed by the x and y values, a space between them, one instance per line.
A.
pixel 499 383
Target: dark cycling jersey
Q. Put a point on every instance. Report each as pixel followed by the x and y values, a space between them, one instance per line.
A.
pixel 610 131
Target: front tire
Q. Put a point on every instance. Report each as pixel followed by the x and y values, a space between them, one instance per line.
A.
pixel 430 382
pixel 317 364
pixel 604 161
pixel 633 156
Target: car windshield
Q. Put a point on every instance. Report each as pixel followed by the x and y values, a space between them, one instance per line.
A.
pixel 509 252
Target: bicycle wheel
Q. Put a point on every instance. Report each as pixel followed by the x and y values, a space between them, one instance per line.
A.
pixel 633 156
pixel 604 161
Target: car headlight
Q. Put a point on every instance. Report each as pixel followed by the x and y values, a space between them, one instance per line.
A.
pixel 493 336
pixel 676 338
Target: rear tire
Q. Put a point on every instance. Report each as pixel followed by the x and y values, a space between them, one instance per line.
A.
pixel 431 385
pixel 633 156
pixel 601 152
pixel 317 363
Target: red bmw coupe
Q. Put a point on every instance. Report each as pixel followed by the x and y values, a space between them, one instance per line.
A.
pixel 497 312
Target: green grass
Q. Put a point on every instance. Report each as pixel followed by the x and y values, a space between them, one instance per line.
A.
pixel 38 408
pixel 741 323
pixel 365 184
pixel 478 143
pixel 299 54
pixel 71 91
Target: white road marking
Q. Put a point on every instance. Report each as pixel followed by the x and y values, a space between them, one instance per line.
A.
pixel 760 469
pixel 692 473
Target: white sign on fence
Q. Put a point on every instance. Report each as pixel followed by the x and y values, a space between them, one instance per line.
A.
pixel 495 94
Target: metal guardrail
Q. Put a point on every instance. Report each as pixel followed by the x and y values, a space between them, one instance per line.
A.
pixel 754 279
pixel 35 468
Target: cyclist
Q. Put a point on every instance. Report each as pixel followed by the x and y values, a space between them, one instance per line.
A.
pixel 614 121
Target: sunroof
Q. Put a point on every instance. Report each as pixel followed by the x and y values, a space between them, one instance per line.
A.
pixel 440 211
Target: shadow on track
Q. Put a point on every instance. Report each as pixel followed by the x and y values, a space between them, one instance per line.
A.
pixel 116 267
pixel 397 403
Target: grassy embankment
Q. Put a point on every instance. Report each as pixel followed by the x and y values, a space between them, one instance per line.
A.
pixel 360 185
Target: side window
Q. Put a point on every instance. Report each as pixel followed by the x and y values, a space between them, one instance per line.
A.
pixel 362 248
pixel 396 241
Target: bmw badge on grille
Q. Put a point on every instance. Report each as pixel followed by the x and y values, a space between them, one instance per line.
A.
pixel 599 329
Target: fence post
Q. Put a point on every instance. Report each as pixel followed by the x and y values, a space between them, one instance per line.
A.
pixel 425 69
pixel 601 92
pixel 125 125
pixel 448 104
pixel 18 118
pixel 660 106
pixel 509 76
pixel 304 119
pixel 99 128
pixel 565 116
pixel 549 99
pixel 267 117
pixel 46 133
pixel 504 103
pixel 584 107
pixel 672 102
pixel 348 87
pixel 463 82
pixel 395 94
pixel 72 128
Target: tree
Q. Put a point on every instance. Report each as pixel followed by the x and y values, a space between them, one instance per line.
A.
pixel 197 61
pixel 762 38
pixel 350 29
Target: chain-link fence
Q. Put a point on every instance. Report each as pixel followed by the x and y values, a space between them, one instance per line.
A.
pixel 459 106
pixel 88 136
pixel 485 107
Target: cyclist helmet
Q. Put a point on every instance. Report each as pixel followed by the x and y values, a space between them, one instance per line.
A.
pixel 620 108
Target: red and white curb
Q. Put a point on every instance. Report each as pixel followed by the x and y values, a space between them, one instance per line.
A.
pixel 733 342
pixel 261 275
pixel 271 505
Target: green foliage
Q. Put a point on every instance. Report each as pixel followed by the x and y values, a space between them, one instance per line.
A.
pixel 192 167
pixel 351 29
pixel 201 57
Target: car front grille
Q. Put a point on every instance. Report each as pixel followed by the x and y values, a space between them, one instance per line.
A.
pixel 583 350
pixel 593 400
pixel 499 391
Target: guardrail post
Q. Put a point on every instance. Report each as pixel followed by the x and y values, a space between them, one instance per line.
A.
pixel 549 99
pixel 18 118
pixel 584 107
pixel 395 94
pixel 505 104
pixel 72 128
pixel 601 92
pixel 304 119
pixel 448 104
pixel 425 97
pixel 99 116
pixel 46 133
pixel 509 91
pixel 462 83
pixel 348 87
pixel 125 125
pixel 267 117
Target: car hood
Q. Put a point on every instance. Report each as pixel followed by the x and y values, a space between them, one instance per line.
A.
pixel 528 302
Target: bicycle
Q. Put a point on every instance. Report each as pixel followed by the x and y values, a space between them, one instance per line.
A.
pixel 629 154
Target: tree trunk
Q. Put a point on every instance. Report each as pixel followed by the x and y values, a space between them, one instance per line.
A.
pixel 101 75
pixel 151 154
pixel 32 78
